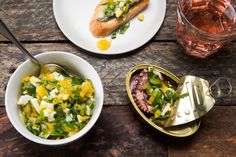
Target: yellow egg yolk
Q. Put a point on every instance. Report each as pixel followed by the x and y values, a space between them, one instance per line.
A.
pixel 141 17
pixel 103 44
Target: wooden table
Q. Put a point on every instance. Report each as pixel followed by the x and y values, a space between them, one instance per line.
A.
pixel 118 133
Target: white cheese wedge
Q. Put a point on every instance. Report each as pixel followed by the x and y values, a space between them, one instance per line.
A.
pixel 66 110
pixel 82 118
pixel 57 76
pixel 88 111
pixel 49 114
pixel 69 118
pixel 35 104
pixel 35 81
pixel 53 93
pixel 46 105
pixel 24 99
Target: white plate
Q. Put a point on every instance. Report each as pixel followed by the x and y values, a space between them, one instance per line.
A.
pixel 73 17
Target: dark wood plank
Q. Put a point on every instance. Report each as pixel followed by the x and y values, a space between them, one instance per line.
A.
pixel 30 20
pixel 113 70
pixel 33 20
pixel 168 28
pixel 117 134
pixel 216 136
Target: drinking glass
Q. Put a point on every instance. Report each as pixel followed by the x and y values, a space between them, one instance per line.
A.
pixel 204 26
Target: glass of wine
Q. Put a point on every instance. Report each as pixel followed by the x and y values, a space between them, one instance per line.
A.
pixel 204 26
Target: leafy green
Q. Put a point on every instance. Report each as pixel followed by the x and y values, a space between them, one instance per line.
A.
pixel 58 127
pixel 73 110
pixel 72 124
pixel 154 78
pixel 121 30
pixel 76 81
pixel 75 99
pixel 81 125
pixel 60 115
pixel 41 114
pixel 124 27
pixel 30 89
pixel 169 95
pixel 57 134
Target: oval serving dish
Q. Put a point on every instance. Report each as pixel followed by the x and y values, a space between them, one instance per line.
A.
pixel 177 131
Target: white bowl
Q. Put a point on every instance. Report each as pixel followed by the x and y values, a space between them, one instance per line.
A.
pixel 69 61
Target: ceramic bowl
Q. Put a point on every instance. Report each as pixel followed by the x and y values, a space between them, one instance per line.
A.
pixel 69 61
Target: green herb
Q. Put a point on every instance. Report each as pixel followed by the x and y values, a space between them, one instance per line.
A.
pixel 81 125
pixel 31 90
pixel 72 124
pixel 42 114
pixel 73 111
pixel 57 134
pixel 154 78
pixel 159 119
pixel 121 30
pixel 60 115
pixel 114 34
pixel 183 95
pixel 58 127
pixel 75 99
pixel 148 88
pixel 76 81
pixel 169 95
pixel 124 28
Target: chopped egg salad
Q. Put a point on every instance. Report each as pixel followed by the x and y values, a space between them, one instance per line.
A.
pixel 56 105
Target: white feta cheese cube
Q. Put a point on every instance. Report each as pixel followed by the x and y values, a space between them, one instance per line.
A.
pixel 35 81
pixel 46 105
pixel 49 114
pixel 24 99
pixel 66 110
pixel 88 111
pixel 69 118
pixel 35 104
pixel 57 76
pixel 53 93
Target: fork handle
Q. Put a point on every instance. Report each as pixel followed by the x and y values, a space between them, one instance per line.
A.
pixel 4 30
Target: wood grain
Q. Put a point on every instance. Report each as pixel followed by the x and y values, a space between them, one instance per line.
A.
pixel 216 137
pixel 116 134
pixel 113 70
pixel 30 20
pixel 33 20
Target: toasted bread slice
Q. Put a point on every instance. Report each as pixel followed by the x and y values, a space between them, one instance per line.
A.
pixel 103 29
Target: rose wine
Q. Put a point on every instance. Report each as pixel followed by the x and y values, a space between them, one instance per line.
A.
pixel 204 25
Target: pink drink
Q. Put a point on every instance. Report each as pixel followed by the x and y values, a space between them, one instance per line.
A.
pixel 204 26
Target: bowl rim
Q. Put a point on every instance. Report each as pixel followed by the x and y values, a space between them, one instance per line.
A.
pixel 140 113
pixel 67 140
